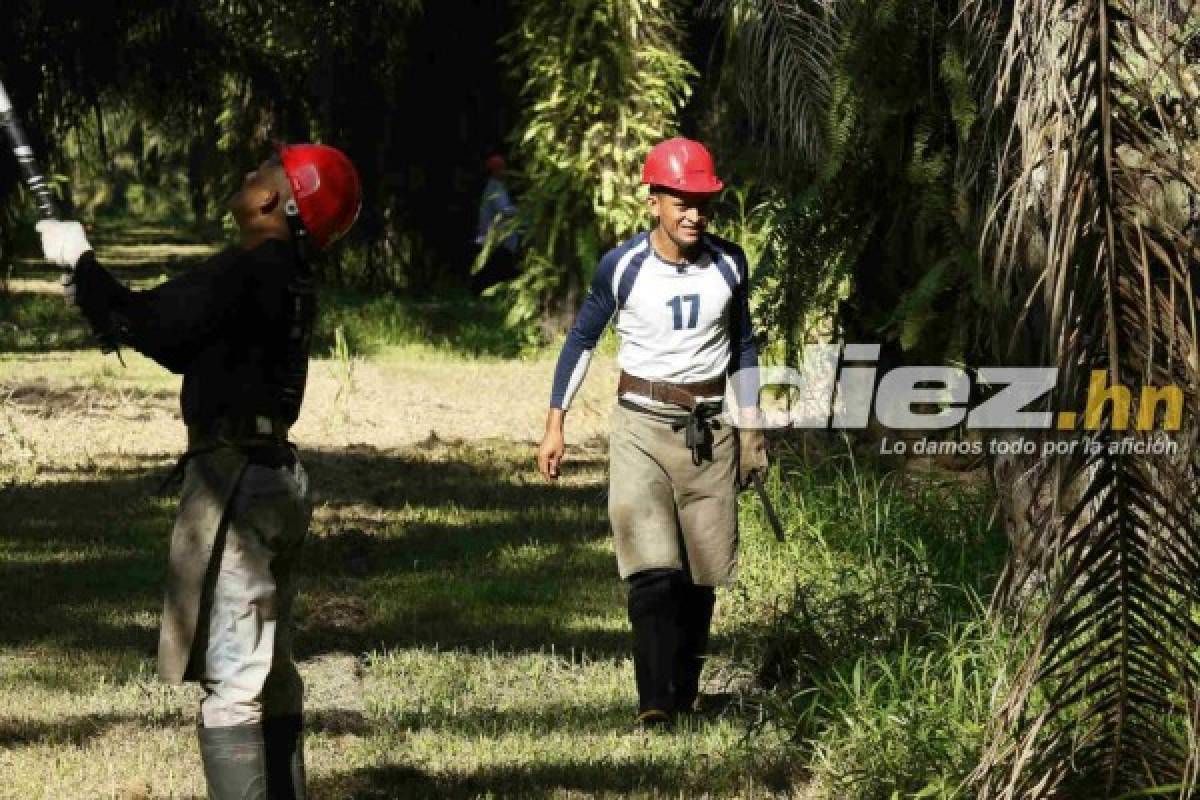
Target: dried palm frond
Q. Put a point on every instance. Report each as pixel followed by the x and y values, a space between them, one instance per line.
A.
pixel 1083 248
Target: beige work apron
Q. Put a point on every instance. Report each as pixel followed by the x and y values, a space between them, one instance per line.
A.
pixel 209 482
pixel 665 510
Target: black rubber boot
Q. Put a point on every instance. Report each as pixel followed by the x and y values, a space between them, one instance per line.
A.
pixel 652 613
pixel 235 764
pixel 284 740
pixel 694 618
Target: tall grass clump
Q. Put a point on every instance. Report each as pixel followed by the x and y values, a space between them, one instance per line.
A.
pixel 372 322
pixel 863 637
pixel 910 723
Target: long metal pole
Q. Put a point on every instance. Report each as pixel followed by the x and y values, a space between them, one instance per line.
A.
pixel 30 170
pixel 769 509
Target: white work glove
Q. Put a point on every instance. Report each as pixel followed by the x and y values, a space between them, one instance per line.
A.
pixel 63 242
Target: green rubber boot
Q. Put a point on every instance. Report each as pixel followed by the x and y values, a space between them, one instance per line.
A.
pixel 235 762
pixel 284 739
pixel 695 612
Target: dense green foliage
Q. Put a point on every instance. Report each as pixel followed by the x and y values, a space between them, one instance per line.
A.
pixel 601 81
pixel 890 179
pixel 871 647
pixel 162 107
pixel 182 98
pixel 870 163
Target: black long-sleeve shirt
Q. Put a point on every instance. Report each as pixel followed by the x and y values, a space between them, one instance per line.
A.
pixel 237 327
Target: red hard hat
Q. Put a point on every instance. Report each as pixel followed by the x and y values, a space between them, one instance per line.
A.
pixel 683 165
pixel 495 164
pixel 325 187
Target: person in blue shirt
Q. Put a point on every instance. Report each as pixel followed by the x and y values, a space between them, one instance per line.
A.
pixel 496 207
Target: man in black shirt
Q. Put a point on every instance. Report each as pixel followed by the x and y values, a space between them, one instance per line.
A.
pixel 238 328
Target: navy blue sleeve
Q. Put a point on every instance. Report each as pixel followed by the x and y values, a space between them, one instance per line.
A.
pixel 496 203
pixel 597 309
pixel 504 203
pixel 744 350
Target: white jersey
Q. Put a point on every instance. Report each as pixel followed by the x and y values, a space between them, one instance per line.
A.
pixel 678 323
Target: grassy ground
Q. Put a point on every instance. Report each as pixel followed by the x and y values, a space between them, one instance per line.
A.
pixel 461 625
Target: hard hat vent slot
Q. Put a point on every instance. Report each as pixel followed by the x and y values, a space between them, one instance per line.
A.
pixel 305 180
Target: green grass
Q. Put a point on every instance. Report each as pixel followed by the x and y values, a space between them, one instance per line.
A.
pixel 866 632
pixel 34 322
pixel 458 326
pixel 36 319
pixel 461 626
pixel 910 723
pixel 462 633
pixel 461 629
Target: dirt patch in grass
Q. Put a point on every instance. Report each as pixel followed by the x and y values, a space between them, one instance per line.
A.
pixel 460 626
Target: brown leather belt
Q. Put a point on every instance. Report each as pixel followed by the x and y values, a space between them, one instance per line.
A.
pixel 680 394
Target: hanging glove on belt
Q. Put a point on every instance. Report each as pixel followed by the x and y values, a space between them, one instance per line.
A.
pixel 698 430
pixel 700 422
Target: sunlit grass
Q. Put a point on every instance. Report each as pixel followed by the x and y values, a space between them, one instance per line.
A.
pixel 461 630
pixel 461 626
pixel 866 632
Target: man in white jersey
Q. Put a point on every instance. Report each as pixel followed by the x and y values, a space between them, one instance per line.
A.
pixel 679 296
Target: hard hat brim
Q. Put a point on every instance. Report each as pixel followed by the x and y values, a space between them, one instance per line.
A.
pixel 710 187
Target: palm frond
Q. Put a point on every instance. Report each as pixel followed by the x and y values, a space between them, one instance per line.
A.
pixel 785 51
pixel 1096 275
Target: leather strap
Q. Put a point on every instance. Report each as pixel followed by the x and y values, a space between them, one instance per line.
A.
pixel 241 431
pixel 264 441
pixel 680 394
